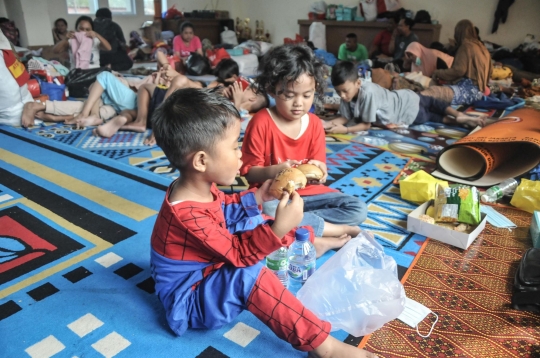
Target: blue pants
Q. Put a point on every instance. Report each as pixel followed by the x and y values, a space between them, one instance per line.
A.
pixel 116 93
pixel 335 208
pixel 430 110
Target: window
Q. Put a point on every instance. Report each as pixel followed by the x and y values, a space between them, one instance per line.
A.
pixel 81 6
pixel 122 7
pixel 149 7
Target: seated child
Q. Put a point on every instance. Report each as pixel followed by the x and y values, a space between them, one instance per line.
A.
pixel 364 103
pixel 287 135
pixel 207 247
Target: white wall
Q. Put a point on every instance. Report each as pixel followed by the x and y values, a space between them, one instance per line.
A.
pixel 280 16
pixel 3 12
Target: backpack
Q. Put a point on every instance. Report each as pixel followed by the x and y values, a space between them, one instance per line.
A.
pixel 422 17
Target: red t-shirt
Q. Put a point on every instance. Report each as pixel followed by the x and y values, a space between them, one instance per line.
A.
pixel 179 46
pixel 264 145
pixel 382 41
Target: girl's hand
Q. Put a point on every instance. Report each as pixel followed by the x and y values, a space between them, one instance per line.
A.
pixel 91 34
pixel 323 168
pixel 337 129
pixel 290 163
pixel 261 195
pixel 236 93
pixel 70 34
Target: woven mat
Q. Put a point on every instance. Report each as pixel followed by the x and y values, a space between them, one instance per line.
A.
pixel 471 292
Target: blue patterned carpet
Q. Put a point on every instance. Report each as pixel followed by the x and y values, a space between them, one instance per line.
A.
pixel 75 279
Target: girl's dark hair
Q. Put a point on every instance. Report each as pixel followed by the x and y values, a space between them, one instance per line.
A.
pixel 84 18
pixel 226 68
pixel 284 64
pixel 60 20
pixel 184 25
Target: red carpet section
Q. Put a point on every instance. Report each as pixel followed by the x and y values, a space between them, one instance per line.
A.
pixel 470 291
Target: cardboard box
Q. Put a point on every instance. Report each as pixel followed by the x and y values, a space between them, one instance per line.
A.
pixel 439 233
pixel 535 229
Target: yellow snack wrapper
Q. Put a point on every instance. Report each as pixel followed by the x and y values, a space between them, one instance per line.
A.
pixel 420 187
pixel 527 196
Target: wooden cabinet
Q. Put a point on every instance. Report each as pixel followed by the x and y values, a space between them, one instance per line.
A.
pixel 366 32
pixel 204 28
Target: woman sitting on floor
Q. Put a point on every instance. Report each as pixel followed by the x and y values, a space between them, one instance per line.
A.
pixel 469 74
pixel 422 59
pixel 86 44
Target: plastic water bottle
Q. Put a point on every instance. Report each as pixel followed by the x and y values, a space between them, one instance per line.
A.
pixel 278 263
pixel 496 192
pixel 301 260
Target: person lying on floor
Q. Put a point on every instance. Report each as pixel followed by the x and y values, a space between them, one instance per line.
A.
pixel 366 103
pixel 207 247
pixel 151 95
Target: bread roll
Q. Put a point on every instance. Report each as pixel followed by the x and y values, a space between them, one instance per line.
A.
pixel 312 172
pixel 289 179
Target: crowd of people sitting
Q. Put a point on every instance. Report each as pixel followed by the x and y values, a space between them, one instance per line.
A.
pixel 118 103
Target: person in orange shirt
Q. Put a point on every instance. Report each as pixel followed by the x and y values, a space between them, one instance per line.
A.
pixel 287 135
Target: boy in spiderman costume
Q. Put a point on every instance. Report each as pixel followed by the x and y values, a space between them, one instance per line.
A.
pixel 205 276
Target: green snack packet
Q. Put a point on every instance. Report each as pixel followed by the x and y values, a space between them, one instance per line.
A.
pixel 467 199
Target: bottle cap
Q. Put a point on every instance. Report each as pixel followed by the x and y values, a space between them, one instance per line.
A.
pixel 485 199
pixel 302 234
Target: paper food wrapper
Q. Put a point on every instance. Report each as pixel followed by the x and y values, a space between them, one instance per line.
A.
pixel 507 148
pixel 420 187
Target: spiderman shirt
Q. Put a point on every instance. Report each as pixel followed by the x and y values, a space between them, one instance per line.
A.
pixel 205 276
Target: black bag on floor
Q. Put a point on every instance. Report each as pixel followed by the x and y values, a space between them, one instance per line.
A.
pixel 78 80
pixel 526 295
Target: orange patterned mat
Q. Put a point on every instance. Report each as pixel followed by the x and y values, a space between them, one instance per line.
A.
pixel 470 291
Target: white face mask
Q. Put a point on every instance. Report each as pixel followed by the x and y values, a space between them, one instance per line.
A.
pixel 414 313
pixel 496 219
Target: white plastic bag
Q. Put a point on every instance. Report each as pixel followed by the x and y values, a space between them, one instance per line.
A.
pixel 356 290
pixel 317 35
pixel 229 37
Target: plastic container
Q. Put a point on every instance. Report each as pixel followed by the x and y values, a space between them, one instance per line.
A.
pixel 496 192
pixel 278 263
pixel 301 260
pixel 236 51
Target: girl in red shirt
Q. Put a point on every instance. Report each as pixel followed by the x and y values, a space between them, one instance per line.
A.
pixel 287 135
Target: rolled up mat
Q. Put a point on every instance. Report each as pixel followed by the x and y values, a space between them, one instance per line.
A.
pixel 33 87
pixel 507 148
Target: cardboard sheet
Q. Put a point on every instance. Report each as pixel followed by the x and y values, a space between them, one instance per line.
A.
pixel 507 148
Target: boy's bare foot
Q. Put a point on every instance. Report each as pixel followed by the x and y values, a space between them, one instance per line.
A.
pixel 323 244
pixel 73 120
pixel 470 120
pixel 150 140
pixel 110 128
pixel 333 348
pixel 134 127
pixel 29 113
pixel 88 121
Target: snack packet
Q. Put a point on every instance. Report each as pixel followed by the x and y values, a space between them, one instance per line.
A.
pixel 457 203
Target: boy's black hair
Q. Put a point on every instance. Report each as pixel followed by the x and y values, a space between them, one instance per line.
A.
pixel 60 20
pixel 104 12
pixel 408 21
pixel 226 68
pixel 185 24
pixel 84 18
pixel 3 20
pixel 342 72
pixel 284 64
pixel 352 35
pixel 191 120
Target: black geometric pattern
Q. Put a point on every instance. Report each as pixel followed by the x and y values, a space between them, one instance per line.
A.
pixel 128 271
pixel 211 352
pixel 43 291
pixel 78 274
pixel 147 285
pixel 9 308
